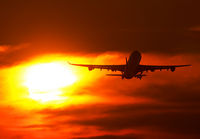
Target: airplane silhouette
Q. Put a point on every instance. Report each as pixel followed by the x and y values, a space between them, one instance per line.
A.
pixel 132 68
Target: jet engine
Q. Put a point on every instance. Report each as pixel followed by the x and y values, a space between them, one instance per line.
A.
pixel 152 70
pixel 90 68
pixel 172 69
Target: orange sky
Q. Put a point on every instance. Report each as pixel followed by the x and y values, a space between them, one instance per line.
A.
pixel 97 105
pixel 42 96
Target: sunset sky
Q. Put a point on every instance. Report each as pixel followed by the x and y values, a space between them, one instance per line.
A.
pixel 43 97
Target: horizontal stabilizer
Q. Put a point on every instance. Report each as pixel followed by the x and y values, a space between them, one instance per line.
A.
pixel 144 75
pixel 114 74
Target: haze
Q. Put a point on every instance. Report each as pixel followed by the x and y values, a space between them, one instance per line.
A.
pixel 42 96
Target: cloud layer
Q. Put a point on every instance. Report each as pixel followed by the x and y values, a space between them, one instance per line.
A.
pixel 149 26
pixel 163 105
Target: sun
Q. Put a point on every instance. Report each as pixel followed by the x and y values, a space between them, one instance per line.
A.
pixel 45 81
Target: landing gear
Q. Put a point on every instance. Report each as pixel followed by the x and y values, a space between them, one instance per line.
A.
pixel 139 76
pixel 122 75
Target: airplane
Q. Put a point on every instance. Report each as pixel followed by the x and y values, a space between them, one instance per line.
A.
pixel 132 68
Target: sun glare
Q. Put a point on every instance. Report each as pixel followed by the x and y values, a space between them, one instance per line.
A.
pixel 45 81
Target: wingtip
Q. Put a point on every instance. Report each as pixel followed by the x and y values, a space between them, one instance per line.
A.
pixel 69 63
pixel 186 65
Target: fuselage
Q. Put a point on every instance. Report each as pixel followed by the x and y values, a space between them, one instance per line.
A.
pixel 132 65
pixel 133 68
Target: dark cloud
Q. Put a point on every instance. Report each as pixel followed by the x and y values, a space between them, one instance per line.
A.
pixel 168 27
pixel 172 92
pixel 112 137
pixel 12 55
pixel 162 118
pixel 63 26
pixel 171 122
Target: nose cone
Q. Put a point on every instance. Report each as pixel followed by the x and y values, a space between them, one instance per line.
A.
pixel 137 53
pixel 135 57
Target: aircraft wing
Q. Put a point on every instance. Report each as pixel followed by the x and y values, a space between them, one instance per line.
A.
pixel 154 67
pixel 108 67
